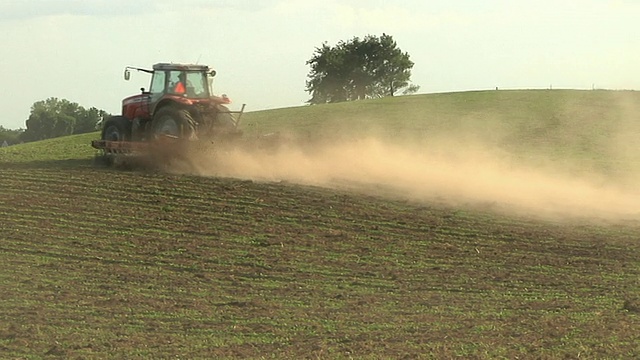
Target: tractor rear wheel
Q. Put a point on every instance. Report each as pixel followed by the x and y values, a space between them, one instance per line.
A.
pixel 221 126
pixel 174 123
pixel 224 119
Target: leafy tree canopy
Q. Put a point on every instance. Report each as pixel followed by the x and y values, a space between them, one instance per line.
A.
pixel 372 67
pixel 53 118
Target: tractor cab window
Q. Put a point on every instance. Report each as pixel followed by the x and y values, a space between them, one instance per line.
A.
pixel 197 85
pixel 177 83
pixel 192 84
pixel 157 82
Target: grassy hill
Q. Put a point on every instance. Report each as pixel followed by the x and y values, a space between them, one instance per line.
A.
pixel 102 263
pixel 572 122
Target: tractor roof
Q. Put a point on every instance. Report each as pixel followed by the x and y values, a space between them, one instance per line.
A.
pixel 184 67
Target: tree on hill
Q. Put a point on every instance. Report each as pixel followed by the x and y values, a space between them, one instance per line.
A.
pixel 372 67
pixel 88 120
pixel 52 118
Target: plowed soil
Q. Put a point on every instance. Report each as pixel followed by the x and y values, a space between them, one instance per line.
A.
pixel 97 263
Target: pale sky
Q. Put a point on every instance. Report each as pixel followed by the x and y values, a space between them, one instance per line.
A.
pixel 77 49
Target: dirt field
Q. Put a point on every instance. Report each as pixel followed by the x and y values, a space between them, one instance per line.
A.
pixel 480 225
pixel 130 264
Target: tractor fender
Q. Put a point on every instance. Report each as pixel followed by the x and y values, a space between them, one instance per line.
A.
pixel 176 103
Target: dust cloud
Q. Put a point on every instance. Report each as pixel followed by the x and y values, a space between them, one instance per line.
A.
pixel 453 172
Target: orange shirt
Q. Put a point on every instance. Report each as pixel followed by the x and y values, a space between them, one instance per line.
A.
pixel 179 88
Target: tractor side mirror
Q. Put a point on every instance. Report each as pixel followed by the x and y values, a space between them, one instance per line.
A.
pixel 212 73
pixel 127 74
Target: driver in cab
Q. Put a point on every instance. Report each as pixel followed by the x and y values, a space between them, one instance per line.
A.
pixel 179 84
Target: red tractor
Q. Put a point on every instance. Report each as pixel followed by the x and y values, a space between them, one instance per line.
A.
pixel 178 106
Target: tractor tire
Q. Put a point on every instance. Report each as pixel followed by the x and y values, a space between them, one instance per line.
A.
pixel 116 128
pixel 174 123
pixel 223 126
pixel 224 119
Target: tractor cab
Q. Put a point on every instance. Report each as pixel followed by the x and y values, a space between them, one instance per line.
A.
pixel 185 84
pixel 189 81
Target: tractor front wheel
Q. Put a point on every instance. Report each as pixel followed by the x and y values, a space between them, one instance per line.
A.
pixel 117 128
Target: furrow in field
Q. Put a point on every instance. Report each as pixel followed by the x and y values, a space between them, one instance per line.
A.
pixel 76 193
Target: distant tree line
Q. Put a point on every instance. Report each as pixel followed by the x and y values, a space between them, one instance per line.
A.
pixel 53 117
pixel 372 67
pixel 12 137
